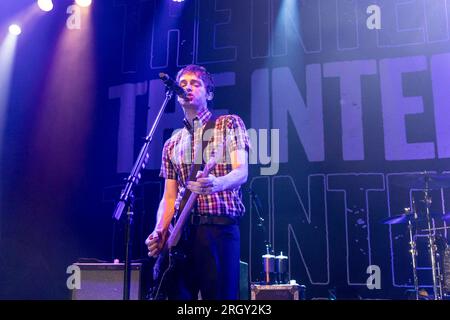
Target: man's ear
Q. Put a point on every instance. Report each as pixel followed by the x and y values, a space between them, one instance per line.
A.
pixel 210 96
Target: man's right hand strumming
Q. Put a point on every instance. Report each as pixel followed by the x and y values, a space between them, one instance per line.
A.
pixel 155 243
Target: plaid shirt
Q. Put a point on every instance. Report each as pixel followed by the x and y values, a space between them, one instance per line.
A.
pixel 177 159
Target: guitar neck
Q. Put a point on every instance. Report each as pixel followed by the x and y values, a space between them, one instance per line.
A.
pixel 181 221
pixel 175 235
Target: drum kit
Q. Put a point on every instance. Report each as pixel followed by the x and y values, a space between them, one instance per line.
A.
pixel 413 218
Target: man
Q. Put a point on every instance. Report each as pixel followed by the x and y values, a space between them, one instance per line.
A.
pixel 211 240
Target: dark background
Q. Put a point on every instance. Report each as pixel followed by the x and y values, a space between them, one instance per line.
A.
pixel 59 154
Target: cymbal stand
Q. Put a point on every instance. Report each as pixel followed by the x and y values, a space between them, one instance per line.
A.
pixel 413 250
pixel 431 243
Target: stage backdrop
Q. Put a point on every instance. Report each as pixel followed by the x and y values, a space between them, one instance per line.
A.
pixel 346 102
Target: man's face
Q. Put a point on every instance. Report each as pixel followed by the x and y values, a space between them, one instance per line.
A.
pixel 197 95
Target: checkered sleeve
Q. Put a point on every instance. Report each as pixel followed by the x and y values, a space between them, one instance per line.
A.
pixel 167 168
pixel 237 136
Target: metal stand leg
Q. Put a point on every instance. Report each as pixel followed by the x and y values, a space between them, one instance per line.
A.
pixel 413 252
pixel 432 247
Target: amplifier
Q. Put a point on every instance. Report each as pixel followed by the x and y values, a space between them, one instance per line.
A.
pixel 278 292
pixel 104 281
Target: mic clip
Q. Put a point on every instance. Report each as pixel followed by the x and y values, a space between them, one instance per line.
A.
pixel 172 85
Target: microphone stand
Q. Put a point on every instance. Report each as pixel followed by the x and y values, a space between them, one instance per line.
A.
pixel 269 251
pixel 257 206
pixel 126 197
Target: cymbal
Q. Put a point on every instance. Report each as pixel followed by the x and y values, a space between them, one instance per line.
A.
pixel 440 216
pixel 400 218
pixel 425 180
pixel 405 217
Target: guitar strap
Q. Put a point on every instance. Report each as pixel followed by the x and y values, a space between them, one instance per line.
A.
pixel 198 163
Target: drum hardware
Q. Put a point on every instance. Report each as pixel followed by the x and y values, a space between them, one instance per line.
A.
pixel 446 273
pixel 437 286
pixel 440 228
pixel 413 249
pixel 426 181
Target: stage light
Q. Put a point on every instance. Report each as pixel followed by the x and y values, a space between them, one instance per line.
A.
pixel 15 29
pixel 83 3
pixel 178 0
pixel 45 5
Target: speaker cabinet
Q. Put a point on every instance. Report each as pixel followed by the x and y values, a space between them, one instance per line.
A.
pixel 104 281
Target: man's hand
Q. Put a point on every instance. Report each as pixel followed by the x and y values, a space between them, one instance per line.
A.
pixel 207 185
pixel 155 243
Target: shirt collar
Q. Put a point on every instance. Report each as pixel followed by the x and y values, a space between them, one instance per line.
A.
pixel 203 116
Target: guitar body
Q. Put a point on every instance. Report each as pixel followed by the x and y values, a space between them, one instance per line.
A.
pixel 162 272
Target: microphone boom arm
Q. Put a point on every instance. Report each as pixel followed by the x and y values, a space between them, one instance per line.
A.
pixel 140 163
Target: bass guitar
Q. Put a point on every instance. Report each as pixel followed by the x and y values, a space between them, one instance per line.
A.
pixel 170 254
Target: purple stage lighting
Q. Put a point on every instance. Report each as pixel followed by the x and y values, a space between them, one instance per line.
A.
pixel 83 3
pixel 15 29
pixel 45 5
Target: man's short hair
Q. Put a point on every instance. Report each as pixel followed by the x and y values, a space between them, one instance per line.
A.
pixel 200 72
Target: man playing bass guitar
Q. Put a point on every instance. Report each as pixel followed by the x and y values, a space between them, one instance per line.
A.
pixel 210 243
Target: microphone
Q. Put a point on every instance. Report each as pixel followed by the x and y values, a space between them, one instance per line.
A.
pixel 172 85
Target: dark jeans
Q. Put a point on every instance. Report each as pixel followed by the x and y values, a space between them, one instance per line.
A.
pixel 211 264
